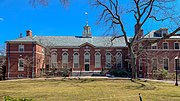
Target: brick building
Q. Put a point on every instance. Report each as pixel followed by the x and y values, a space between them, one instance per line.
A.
pixel 26 56
pixel 164 54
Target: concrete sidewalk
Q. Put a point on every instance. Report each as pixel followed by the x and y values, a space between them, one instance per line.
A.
pixel 90 77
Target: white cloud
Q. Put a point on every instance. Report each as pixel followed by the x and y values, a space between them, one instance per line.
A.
pixel 1 19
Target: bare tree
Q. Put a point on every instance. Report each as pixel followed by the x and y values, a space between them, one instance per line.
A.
pixel 34 3
pixel 27 62
pixel 141 11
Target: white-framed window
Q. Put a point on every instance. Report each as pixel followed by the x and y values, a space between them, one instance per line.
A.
pixel 140 64
pixel 76 60
pixel 166 63
pixel 108 60
pixel 20 75
pixel 97 60
pixel 43 51
pixel 21 48
pixel 176 45
pixel 87 57
pixel 64 60
pixel 154 64
pixel 177 64
pixel 165 45
pixel 154 46
pixel 20 65
pixel 118 60
pixel 53 60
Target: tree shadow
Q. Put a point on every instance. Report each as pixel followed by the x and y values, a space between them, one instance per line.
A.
pixel 141 85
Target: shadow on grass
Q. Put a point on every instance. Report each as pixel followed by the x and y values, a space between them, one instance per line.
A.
pixel 141 85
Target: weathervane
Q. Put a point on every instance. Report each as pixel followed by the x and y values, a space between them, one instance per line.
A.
pixel 86 18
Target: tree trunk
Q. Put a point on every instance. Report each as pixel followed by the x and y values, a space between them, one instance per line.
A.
pixel 133 63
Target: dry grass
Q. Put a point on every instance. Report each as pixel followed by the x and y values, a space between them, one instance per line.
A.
pixel 89 90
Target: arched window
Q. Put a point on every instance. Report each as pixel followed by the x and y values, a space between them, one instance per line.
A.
pixel 108 60
pixel 154 64
pixel 118 60
pixel 97 60
pixel 75 60
pixel 65 60
pixel 53 60
pixel 140 64
pixel 166 63
pixel 87 57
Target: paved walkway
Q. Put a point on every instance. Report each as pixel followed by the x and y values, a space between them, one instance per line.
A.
pixel 93 77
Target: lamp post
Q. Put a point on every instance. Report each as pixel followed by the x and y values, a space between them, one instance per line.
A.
pixel 177 64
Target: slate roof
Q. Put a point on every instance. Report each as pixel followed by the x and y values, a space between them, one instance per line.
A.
pixel 72 41
pixel 151 35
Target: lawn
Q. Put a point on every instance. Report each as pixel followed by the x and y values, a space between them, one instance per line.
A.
pixel 89 90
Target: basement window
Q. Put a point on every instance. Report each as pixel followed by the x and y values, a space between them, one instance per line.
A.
pixel 21 48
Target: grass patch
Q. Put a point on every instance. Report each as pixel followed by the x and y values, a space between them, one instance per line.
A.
pixel 89 90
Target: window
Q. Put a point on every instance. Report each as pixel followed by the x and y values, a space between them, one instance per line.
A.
pixel 21 48
pixel 118 60
pixel 165 45
pixel 54 60
pixel 86 57
pixel 177 64
pixel 20 75
pixel 166 63
pixel 76 60
pixel 108 60
pixel 65 60
pixel 154 64
pixel 176 45
pixel 154 46
pixel 97 60
pixel 43 50
pixel 140 64
pixel 20 65
pixel 157 34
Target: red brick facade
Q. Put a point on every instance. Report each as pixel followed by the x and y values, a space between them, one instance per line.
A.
pixel 148 60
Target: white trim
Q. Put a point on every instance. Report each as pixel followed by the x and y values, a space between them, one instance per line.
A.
pixel 19 47
pixel 168 63
pixel 175 64
pixel 75 49
pixel 19 66
pixel 167 45
pixel 97 49
pixel 120 58
pixel 99 61
pixel 118 50
pixel 73 59
pixel 156 62
pixel 89 58
pixel 55 53
pixel 63 59
pixel 162 49
pixel 64 49
pixel 174 45
pixel 109 59
pixel 108 50
pixel 20 51
pixel 86 71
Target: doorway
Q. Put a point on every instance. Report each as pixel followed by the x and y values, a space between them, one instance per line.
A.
pixel 86 67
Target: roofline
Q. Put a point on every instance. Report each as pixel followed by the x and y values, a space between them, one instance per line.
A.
pixel 36 42
pixel 80 47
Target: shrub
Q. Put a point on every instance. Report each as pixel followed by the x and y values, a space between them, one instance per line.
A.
pixel 8 98
pixel 162 74
pixel 119 73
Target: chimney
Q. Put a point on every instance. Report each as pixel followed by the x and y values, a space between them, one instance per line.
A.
pixel 29 33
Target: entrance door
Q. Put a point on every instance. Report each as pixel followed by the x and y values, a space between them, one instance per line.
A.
pixel 86 67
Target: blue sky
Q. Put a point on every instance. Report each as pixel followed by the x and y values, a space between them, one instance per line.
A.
pixel 17 16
